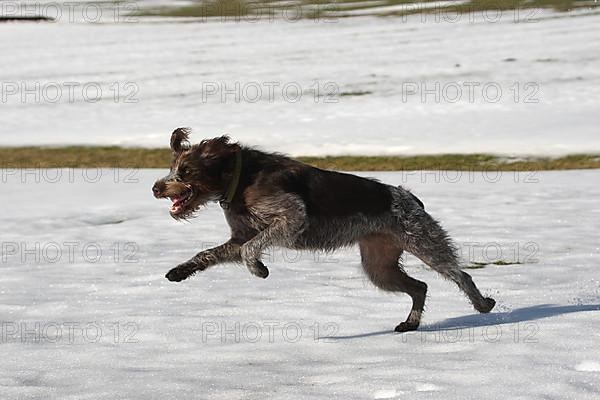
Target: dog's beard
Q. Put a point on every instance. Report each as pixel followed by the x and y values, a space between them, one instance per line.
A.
pixel 186 212
pixel 187 206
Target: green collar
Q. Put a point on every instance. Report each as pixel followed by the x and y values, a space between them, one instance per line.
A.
pixel 225 203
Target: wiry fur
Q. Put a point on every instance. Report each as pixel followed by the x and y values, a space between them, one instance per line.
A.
pixel 282 202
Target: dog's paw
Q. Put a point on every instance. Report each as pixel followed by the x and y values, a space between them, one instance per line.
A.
pixel 177 274
pixel 487 305
pixel 258 268
pixel 406 327
pixel 181 272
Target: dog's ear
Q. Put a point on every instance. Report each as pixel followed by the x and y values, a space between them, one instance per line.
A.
pixel 180 139
pixel 218 147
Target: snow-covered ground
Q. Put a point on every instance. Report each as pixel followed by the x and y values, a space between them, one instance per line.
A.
pixel 315 329
pixel 525 82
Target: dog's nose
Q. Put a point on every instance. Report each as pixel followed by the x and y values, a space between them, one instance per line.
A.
pixel 156 190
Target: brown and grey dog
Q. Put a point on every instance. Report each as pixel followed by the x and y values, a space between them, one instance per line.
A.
pixel 271 200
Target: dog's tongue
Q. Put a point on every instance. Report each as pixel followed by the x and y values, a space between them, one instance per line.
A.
pixel 176 199
pixel 176 204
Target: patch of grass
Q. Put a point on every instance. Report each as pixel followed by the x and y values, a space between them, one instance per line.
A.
pixel 131 157
pixel 479 265
pixel 504 5
pixel 25 18
pixel 454 162
pixel 332 9
pixel 494 6
pixel 355 93
pixel 83 157
pixel 205 9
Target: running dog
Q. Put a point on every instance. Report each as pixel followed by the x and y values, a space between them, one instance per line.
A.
pixel 271 200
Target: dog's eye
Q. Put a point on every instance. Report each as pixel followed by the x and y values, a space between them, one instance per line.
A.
pixel 186 171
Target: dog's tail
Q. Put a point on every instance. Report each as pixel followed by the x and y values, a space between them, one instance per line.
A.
pixel 424 237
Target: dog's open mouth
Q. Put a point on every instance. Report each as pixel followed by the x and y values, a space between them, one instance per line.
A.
pixel 181 200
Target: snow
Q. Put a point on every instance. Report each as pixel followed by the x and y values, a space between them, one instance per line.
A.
pixel 158 74
pixel 588 366
pixel 85 310
pixel 313 329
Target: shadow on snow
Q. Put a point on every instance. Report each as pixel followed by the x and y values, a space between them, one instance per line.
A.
pixel 479 320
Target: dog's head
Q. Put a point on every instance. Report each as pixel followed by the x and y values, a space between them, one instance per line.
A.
pixel 199 173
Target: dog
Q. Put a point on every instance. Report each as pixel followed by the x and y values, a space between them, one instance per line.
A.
pixel 272 200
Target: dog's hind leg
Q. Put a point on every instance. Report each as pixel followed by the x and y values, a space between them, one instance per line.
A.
pixel 429 242
pixel 380 254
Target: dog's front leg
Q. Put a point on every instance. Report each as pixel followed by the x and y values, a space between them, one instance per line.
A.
pixel 227 252
pixel 281 232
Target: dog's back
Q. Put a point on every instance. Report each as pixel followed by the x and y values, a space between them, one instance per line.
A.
pixel 336 194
